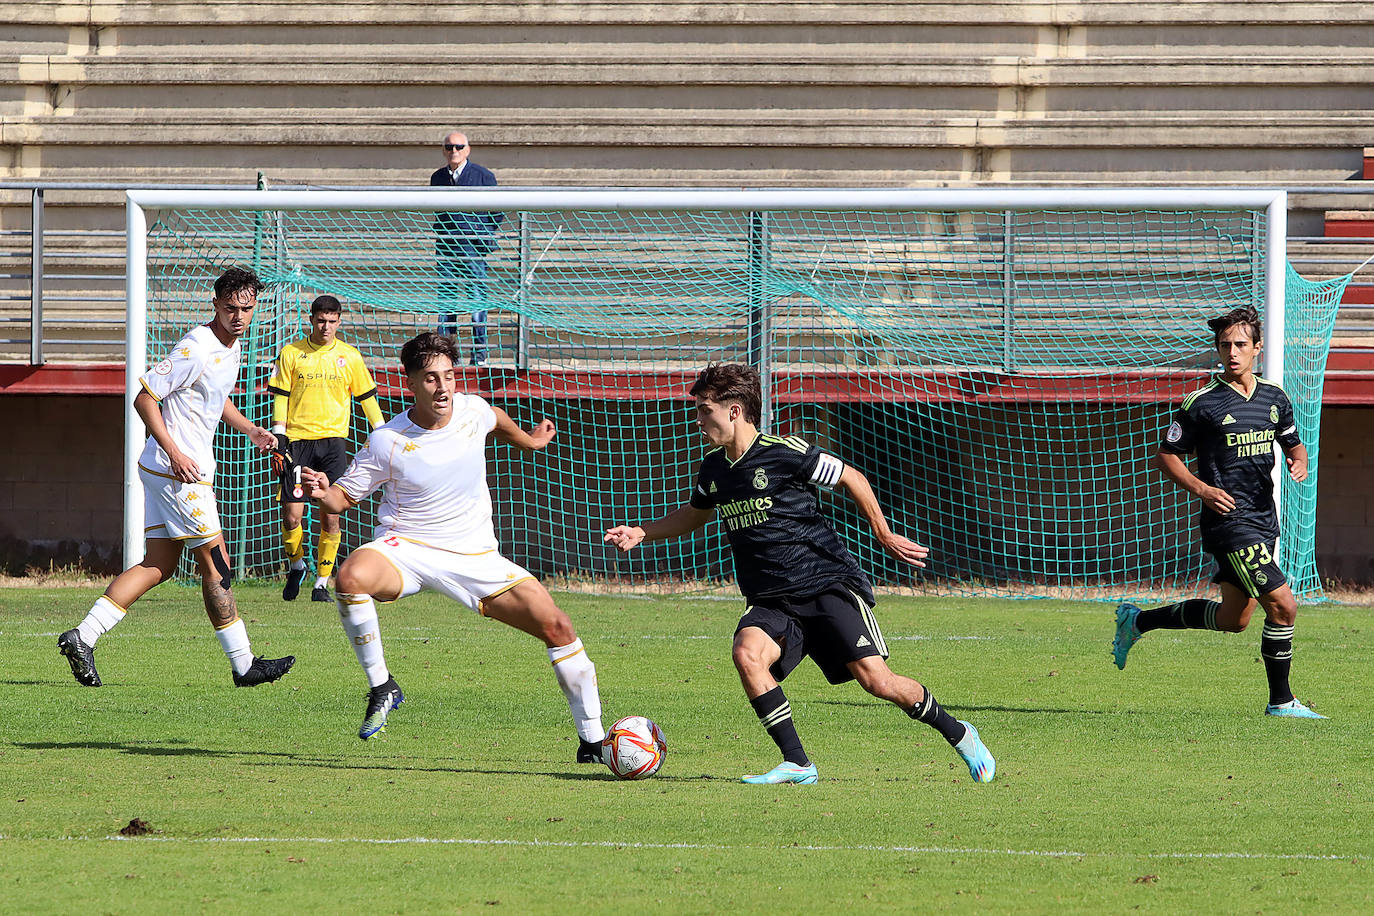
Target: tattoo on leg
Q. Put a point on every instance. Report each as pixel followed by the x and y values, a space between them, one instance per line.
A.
pixel 219 603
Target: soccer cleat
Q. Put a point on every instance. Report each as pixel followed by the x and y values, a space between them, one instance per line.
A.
pixel 292 588
pixel 320 593
pixel 590 751
pixel 81 657
pixel 1293 709
pixel 785 773
pixel 264 671
pixel 381 700
pixel 981 766
pixel 1126 633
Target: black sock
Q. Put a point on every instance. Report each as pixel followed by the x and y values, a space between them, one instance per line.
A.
pixel 1276 648
pixel 1193 614
pixel 775 713
pixel 933 714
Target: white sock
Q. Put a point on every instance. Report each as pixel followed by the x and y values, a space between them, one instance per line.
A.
pixel 358 614
pixel 298 564
pixel 321 581
pixel 101 618
pixel 234 640
pixel 577 677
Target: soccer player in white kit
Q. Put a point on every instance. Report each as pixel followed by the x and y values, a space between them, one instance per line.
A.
pixel 434 532
pixel 183 399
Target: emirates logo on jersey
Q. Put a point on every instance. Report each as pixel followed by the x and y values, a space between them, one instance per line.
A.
pixel 760 480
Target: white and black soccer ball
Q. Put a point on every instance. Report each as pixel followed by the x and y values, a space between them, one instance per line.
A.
pixel 635 747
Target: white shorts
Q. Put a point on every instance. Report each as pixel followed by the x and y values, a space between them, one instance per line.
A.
pixel 184 512
pixel 465 577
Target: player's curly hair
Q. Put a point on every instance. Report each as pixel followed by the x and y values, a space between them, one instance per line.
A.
pixel 1246 316
pixel 722 382
pixel 235 280
pixel 417 352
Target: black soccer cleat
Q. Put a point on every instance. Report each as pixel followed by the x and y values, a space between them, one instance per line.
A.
pixel 381 700
pixel 80 656
pixel 264 671
pixel 320 593
pixel 292 588
pixel 590 751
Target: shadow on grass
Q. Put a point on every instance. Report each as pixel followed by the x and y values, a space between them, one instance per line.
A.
pixel 962 709
pixel 285 758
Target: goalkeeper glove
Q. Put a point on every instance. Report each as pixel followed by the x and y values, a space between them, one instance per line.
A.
pixel 281 459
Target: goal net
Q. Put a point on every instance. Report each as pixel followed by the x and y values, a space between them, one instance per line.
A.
pixel 1000 364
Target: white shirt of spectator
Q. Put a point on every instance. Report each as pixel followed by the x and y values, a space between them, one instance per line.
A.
pixel 191 386
pixel 434 481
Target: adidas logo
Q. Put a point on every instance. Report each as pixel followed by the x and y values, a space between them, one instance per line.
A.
pixel 713 486
pixel 863 642
pixel 1227 419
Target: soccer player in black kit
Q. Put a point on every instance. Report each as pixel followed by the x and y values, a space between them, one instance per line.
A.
pixel 805 594
pixel 1232 423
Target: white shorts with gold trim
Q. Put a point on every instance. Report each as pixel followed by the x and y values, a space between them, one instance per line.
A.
pixel 464 577
pixel 184 512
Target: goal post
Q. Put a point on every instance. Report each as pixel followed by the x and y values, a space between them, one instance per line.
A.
pixel 1000 362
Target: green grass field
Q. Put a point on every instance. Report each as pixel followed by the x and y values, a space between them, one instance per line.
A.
pixel 1161 788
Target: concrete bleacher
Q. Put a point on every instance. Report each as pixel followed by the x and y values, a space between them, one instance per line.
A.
pixel 630 92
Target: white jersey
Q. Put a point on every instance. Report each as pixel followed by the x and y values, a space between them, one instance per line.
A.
pixel 191 386
pixel 434 481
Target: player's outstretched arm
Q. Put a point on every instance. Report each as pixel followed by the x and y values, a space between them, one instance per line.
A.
pixel 1174 468
pixel 1297 461
pixel 329 498
pixel 680 521
pixel 905 549
pixel 536 438
pixel 260 437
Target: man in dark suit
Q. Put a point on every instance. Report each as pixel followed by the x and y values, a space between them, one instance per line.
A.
pixel 461 243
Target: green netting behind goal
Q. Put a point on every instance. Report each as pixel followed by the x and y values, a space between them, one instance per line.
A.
pixel 1001 377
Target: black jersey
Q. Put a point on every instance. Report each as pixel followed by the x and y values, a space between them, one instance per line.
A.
pixel 769 503
pixel 1234 439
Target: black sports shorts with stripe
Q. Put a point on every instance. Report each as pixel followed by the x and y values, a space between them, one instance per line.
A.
pixel 1254 569
pixel 835 628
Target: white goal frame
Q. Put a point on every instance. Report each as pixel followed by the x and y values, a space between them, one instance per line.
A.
pixel 1273 202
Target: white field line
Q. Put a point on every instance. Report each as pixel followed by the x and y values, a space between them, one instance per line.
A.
pixel 436 635
pixel 708 847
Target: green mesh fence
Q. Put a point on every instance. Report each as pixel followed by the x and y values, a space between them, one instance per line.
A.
pixel 1310 314
pixel 1001 377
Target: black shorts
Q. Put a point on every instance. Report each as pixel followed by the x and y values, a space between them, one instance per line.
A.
pixel 1254 569
pixel 835 628
pixel 327 455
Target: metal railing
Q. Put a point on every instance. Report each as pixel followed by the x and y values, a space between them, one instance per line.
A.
pixel 75 306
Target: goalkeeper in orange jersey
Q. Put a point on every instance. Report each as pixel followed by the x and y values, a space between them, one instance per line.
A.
pixel 313 381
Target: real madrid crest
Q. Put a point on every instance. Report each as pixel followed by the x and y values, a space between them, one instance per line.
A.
pixel 1273 413
pixel 760 480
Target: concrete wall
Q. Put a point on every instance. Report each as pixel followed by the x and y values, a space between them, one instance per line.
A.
pixel 61 500
pixel 60 493
pixel 1345 495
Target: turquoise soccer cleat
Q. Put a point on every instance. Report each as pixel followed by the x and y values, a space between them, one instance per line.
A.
pixel 1126 633
pixel 785 772
pixel 1293 709
pixel 981 765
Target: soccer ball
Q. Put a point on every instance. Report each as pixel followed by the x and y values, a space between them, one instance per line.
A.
pixel 635 747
